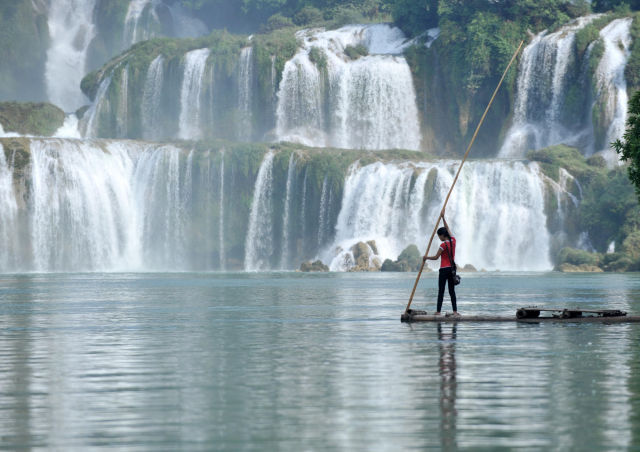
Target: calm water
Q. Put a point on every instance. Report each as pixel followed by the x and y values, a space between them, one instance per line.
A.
pixel 311 362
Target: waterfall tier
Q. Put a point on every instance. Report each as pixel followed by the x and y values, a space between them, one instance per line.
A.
pixel 71 205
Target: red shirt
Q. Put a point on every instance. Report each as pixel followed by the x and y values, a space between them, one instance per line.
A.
pixel 444 257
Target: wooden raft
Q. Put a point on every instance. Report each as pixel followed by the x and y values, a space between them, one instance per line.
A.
pixel 529 315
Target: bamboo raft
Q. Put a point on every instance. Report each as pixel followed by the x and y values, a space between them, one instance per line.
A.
pixel 529 315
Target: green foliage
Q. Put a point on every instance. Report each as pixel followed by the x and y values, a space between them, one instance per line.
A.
pixel 318 57
pixel 632 69
pixel 308 15
pixel 39 119
pixel 277 22
pixel 355 52
pixel 629 147
pixel 415 16
pixel 577 257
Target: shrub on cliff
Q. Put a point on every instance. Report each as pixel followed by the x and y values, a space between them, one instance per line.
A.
pixel 30 118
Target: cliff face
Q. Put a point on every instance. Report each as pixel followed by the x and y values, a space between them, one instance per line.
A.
pixel 24 39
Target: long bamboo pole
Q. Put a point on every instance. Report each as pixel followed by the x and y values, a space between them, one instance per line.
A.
pixel 464 159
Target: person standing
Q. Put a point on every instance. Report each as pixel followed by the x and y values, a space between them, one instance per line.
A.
pixel 447 254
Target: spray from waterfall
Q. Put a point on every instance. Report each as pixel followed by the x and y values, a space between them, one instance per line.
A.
pixel 71 30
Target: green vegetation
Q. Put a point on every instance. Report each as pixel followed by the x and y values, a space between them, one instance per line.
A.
pixel 355 52
pixel 608 211
pixel 30 118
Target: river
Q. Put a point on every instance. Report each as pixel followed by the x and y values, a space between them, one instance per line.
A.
pixel 290 361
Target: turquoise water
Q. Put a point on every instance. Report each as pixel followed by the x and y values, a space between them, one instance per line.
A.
pixel 312 362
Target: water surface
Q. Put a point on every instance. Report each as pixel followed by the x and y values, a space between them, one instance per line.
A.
pixel 290 361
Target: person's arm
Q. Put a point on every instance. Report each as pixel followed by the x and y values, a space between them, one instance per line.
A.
pixel 433 258
pixel 447 226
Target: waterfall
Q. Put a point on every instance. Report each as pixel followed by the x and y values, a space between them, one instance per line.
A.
pixel 195 63
pixel 71 30
pixel 245 79
pixel 107 206
pixel 8 214
pixel 221 214
pixel 541 88
pixel 299 111
pixel 611 86
pixel 122 118
pixel 151 96
pixel 286 246
pixel 379 203
pixel 132 32
pixel 323 216
pixel 259 243
pixel 371 100
pixel 83 216
pixel 89 124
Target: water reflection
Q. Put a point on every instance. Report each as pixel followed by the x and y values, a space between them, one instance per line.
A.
pixel 448 384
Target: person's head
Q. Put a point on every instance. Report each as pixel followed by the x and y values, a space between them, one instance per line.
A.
pixel 443 234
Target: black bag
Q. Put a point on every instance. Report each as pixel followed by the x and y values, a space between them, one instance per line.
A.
pixel 456 278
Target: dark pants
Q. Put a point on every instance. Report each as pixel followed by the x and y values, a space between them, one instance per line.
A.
pixel 446 275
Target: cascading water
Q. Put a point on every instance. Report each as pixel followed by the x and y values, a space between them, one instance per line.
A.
pixel 71 30
pixel 195 63
pixel 245 79
pixel 395 205
pixel 221 220
pixel 89 123
pixel 371 99
pixel 541 90
pixel 8 211
pixel 132 31
pixel 286 246
pixel 122 126
pixel 259 243
pixel 151 96
pixel 116 205
pixel 611 85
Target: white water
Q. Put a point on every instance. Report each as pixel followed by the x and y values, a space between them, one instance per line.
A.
pixel 190 100
pixel 8 214
pixel 89 123
pixel 371 101
pixel 69 128
pixel 258 248
pixel 106 206
pixel 245 79
pixel 132 31
pixel 286 246
pixel 493 201
pixel 71 30
pixel 122 125
pixel 151 96
pixel 611 86
pixel 223 257
pixel 541 88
